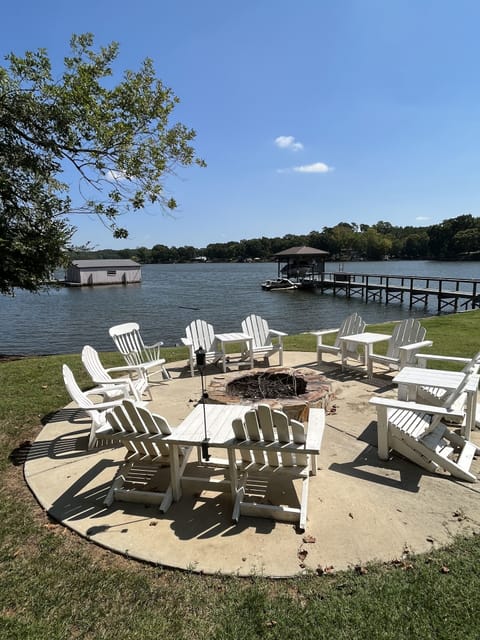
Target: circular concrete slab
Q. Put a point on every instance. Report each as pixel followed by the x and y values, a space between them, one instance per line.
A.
pixel 360 509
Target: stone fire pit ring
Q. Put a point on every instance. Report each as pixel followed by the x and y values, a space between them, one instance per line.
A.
pixel 318 390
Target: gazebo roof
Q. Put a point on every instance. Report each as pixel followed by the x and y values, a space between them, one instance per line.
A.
pixel 302 252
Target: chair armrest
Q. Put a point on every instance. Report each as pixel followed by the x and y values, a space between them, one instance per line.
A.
pixel 278 334
pixel 101 406
pixel 152 350
pixel 113 382
pixel 391 403
pixel 416 345
pixel 315 429
pixel 323 332
pixel 137 368
pixel 105 388
pixel 187 342
pixel 156 345
pixel 423 357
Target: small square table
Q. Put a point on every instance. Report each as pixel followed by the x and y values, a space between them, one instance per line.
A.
pixel 216 420
pixel 367 339
pixel 409 378
pixel 224 338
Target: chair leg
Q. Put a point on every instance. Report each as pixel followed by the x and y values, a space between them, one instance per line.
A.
pixel 382 433
pixel 166 374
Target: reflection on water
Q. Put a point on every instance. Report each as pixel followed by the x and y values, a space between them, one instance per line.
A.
pixel 171 296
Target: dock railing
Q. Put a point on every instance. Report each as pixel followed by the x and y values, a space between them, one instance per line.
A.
pixel 448 292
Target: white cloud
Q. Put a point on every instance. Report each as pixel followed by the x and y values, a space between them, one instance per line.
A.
pixel 288 142
pixel 422 218
pixel 316 167
pixel 115 176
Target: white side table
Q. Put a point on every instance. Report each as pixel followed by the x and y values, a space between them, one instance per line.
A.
pixel 225 338
pixel 366 339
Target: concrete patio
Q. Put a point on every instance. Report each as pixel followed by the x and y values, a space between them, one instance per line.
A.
pixel 361 509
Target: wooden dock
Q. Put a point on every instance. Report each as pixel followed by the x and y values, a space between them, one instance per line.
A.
pixel 450 294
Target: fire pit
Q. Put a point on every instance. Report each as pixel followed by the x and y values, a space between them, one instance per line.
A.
pixel 293 391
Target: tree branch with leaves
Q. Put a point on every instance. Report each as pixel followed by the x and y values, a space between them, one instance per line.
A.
pixel 119 138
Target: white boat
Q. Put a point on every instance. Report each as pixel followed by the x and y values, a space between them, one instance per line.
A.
pixel 280 284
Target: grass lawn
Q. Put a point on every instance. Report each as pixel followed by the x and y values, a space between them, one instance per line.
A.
pixel 54 584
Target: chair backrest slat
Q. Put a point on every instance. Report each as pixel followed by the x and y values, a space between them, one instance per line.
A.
pixel 350 326
pixel 74 390
pixel 252 427
pixel 94 367
pixel 253 433
pixel 129 342
pixel 283 435
pixel 241 434
pixel 405 332
pixel 257 327
pixel 265 420
pixel 143 431
pixel 271 426
pixel 201 334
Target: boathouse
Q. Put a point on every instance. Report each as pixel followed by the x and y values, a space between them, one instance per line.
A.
pixel 301 262
pixel 99 272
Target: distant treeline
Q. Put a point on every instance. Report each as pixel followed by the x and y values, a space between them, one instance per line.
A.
pixel 453 239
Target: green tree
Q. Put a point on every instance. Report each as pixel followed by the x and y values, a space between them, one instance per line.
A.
pixel 160 253
pixel 186 253
pixel 442 236
pixel 340 239
pixel 467 241
pixel 377 245
pixel 119 139
pixel 416 245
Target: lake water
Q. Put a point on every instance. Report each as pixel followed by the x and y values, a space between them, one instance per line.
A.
pixel 171 296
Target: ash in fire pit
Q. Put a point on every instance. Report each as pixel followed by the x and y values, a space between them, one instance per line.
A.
pixel 293 391
pixel 267 384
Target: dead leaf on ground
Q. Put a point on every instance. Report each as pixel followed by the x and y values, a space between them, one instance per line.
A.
pixel 330 570
pixel 361 570
pixel 302 554
pixel 402 564
pixel 308 539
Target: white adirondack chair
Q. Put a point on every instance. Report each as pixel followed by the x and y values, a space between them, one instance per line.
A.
pixel 438 395
pixel 129 342
pixel 408 338
pixel 262 335
pixel 271 450
pixel 96 411
pixel 420 433
pixel 143 434
pixel 352 325
pixel 123 387
pixel 200 333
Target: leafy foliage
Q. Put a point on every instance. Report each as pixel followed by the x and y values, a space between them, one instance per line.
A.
pixel 453 239
pixel 118 139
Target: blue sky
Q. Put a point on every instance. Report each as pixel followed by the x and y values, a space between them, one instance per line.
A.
pixel 307 112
